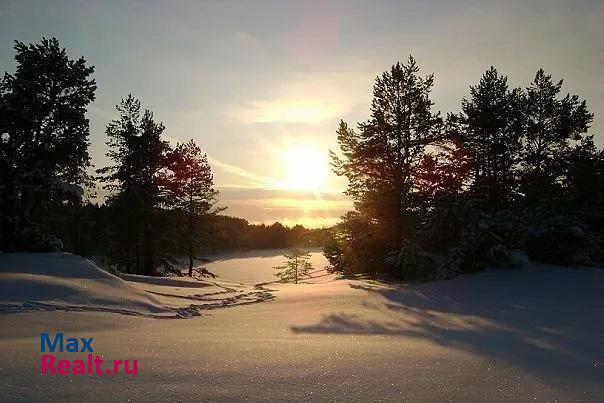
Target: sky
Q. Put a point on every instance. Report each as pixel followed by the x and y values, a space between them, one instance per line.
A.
pixel 261 86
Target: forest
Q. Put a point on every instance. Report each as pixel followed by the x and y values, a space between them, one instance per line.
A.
pixel 514 175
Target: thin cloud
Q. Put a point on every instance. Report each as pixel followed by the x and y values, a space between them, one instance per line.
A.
pixel 256 180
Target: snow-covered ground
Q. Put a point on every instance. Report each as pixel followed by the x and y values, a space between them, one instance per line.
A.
pixel 65 282
pixel 61 281
pixel 531 334
pixel 257 266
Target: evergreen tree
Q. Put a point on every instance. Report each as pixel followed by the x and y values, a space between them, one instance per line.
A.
pixel 583 180
pixel 551 125
pixel 43 137
pixel 453 189
pixel 139 154
pixel 444 171
pixel 355 245
pixel 381 159
pixel 295 268
pixel 492 132
pixel 188 184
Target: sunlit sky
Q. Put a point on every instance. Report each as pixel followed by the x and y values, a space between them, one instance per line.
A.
pixel 261 86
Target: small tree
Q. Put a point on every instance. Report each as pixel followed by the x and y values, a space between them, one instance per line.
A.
pixel 295 267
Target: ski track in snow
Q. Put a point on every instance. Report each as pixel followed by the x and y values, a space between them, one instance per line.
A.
pixel 69 283
pixel 186 312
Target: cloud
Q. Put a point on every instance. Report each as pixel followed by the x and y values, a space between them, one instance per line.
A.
pixel 290 111
pixel 315 95
pixel 96 110
pixel 255 181
pixel 311 209
pixel 246 41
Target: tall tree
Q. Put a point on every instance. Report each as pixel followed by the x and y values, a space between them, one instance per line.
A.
pixel 188 184
pixel 381 159
pixel 139 154
pixel 444 171
pixel 552 123
pixel 43 134
pixel 492 132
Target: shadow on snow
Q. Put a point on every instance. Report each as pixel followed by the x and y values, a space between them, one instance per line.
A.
pixel 547 321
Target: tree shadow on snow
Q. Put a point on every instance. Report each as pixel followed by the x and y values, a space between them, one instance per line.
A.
pixel 546 321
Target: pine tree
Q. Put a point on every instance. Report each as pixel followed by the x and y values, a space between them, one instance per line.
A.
pixel 492 132
pixel 382 158
pixel 43 136
pixel 551 125
pixel 295 268
pixel 444 171
pixel 139 154
pixel 583 179
pixel 188 185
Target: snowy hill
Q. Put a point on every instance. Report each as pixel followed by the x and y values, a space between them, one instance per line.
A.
pixel 62 281
pixel 66 282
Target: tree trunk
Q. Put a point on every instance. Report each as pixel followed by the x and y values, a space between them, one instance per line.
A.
pixel 190 233
pixel 148 252
pixel 76 227
pixel 9 214
pixel 138 266
pixel 128 266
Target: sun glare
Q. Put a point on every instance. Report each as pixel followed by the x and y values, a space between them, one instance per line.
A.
pixel 292 111
pixel 305 169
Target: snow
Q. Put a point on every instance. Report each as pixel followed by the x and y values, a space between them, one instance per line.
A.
pixel 61 281
pixel 256 266
pixel 65 282
pixel 500 335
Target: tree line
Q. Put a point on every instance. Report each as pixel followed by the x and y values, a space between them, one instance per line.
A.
pixel 162 203
pixel 515 173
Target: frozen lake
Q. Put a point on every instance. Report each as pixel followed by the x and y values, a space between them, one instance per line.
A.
pixel 256 266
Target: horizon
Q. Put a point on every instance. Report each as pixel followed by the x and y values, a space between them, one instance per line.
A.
pixel 258 93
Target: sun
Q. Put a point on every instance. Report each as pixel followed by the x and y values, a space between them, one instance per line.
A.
pixel 305 169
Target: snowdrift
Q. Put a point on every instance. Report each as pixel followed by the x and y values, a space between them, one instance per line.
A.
pixel 62 281
pixel 66 282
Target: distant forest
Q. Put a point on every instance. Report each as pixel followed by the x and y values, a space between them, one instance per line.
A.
pixel 514 175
